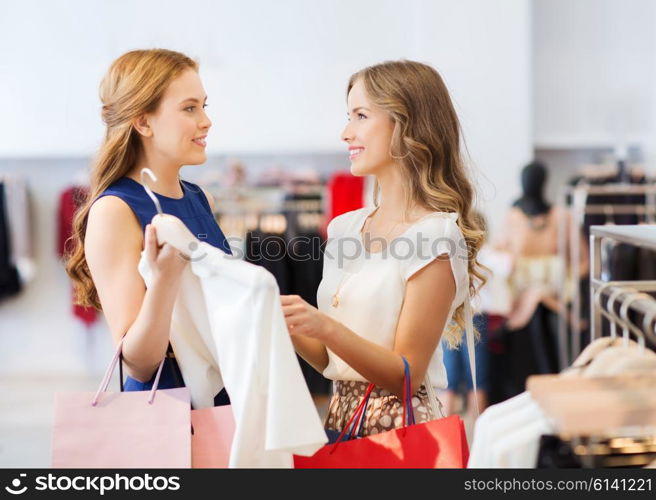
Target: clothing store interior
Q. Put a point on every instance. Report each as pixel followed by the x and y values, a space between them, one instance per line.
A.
pixel 557 108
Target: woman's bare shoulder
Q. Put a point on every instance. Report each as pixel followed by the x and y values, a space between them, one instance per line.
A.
pixel 112 220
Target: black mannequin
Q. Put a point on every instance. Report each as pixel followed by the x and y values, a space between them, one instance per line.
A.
pixel 532 203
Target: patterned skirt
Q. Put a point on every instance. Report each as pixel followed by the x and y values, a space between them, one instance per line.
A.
pixel 384 411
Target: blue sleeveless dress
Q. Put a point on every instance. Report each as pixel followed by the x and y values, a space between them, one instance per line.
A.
pixel 194 211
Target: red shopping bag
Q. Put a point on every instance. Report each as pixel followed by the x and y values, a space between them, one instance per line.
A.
pixel 440 443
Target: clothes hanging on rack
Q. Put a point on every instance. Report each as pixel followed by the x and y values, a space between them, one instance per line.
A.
pixel 554 453
pixel 17 264
pixel 269 250
pixel 305 260
pixel 601 200
pixel 10 284
pixel 346 193
pixel 505 434
pixel 624 257
pixel 295 259
pixel 20 221
pixel 606 393
pixel 621 262
pixel 596 453
pixel 610 199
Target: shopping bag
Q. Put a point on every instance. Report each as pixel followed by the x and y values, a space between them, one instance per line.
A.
pixel 439 443
pixel 212 430
pixel 140 429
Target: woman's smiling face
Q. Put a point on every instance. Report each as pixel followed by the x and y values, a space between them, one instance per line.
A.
pixel 179 125
pixel 368 133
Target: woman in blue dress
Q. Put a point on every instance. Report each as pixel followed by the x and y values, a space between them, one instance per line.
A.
pixel 154 111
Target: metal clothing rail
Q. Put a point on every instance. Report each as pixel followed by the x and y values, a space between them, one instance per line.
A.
pixel 643 236
pixel 249 206
pixel 573 215
pixel 644 304
pixel 248 200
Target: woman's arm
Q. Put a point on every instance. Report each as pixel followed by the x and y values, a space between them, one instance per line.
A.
pixel 311 350
pixel 112 246
pixel 428 298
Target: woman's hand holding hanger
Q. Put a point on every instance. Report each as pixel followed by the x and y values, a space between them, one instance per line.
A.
pixel 305 320
pixel 166 262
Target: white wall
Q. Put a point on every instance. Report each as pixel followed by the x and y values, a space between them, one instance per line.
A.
pixel 483 50
pixel 275 73
pixel 594 72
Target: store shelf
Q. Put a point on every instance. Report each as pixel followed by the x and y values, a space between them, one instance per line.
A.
pixel 643 235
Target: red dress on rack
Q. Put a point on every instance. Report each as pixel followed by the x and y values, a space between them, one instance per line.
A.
pixel 69 202
pixel 346 193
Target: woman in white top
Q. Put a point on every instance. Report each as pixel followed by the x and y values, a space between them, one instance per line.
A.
pixel 397 276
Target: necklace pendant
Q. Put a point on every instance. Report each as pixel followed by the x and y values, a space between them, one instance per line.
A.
pixel 335 302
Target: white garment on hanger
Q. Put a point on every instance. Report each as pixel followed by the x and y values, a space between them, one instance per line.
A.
pixel 477 454
pixel 496 424
pixel 519 449
pixel 228 329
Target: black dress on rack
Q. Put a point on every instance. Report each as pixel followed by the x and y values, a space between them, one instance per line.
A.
pixel 10 284
pixel 305 250
pixel 295 259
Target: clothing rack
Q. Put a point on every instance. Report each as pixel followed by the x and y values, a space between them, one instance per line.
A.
pixel 269 200
pixel 245 207
pixel 577 210
pixel 643 236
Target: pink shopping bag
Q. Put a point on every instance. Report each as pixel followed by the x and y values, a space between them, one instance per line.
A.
pixel 211 439
pixel 141 429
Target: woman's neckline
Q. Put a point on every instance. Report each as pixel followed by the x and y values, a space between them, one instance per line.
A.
pixel 370 212
pixel 184 191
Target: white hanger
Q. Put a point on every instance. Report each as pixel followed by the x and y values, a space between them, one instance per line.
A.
pixel 606 314
pixel 626 358
pixel 646 325
pixel 624 313
pixel 615 389
pixel 169 228
pixel 598 344
pixel 616 319
pixel 635 359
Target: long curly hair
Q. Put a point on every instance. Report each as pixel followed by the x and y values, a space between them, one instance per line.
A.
pixel 133 85
pixel 426 143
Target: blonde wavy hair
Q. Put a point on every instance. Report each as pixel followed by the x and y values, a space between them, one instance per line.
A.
pixel 426 144
pixel 133 85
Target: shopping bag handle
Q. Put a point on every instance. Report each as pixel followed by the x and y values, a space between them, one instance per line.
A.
pixel 110 371
pixel 359 413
